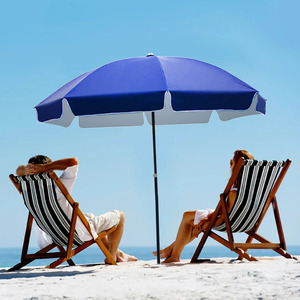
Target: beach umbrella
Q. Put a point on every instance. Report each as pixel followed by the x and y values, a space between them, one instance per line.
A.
pixel 162 90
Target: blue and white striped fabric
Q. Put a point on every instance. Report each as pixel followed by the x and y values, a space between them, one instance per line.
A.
pixel 256 178
pixel 39 196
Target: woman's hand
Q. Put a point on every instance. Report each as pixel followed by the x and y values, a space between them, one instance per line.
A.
pixel 31 169
pixel 61 164
pixel 198 228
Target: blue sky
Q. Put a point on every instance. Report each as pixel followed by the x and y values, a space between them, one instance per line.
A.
pixel 44 44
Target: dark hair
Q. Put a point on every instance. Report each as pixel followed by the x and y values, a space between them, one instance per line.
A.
pixel 39 160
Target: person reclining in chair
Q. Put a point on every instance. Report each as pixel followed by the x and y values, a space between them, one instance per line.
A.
pixel 192 221
pixel 69 166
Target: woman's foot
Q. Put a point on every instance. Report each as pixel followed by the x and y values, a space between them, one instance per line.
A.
pixel 107 262
pixel 123 257
pixel 171 260
pixel 164 253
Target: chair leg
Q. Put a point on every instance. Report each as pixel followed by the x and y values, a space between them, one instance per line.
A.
pixel 278 223
pixel 20 265
pixel 200 247
pixel 56 263
pixel 241 252
pixel 79 249
pixel 207 232
pixel 249 240
pixel 69 261
pixel 27 235
pixel 105 251
pixel 280 251
pixel 25 261
pixel 244 254
pixel 72 229
pixel 61 259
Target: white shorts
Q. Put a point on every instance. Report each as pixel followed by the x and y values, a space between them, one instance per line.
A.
pixel 104 221
pixel 201 214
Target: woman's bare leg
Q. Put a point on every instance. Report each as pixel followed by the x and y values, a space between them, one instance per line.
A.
pixel 166 252
pixel 184 236
pixel 188 218
pixel 113 240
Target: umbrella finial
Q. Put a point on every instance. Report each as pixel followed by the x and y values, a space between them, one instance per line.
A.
pixel 150 54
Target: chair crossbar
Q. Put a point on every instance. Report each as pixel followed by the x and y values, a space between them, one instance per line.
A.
pixel 257 245
pixel 44 255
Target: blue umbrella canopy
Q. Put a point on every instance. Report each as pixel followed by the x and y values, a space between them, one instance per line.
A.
pixel 165 90
pixel 179 90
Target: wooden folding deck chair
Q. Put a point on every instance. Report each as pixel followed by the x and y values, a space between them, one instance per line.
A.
pixel 258 183
pixel 39 196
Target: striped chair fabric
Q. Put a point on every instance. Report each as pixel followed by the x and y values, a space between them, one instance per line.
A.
pixel 40 198
pixel 256 179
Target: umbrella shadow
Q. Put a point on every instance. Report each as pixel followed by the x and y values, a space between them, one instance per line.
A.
pixel 180 264
pixel 41 272
pixel 201 261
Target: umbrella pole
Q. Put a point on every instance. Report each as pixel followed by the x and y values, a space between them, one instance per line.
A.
pixel 155 187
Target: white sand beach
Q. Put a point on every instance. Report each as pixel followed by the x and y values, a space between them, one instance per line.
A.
pixel 221 278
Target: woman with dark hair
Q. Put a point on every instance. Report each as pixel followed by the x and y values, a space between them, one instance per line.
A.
pixel 69 166
pixel 192 221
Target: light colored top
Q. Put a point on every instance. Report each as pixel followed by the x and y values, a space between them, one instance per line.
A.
pixel 203 213
pixel 68 178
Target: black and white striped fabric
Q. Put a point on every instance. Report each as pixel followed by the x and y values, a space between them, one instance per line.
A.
pixel 256 179
pixel 39 196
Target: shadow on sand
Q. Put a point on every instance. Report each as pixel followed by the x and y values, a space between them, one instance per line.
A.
pixel 42 272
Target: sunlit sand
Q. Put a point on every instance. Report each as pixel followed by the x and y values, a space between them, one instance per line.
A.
pixel 221 278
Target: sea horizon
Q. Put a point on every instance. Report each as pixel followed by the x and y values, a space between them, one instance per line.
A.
pixel 9 256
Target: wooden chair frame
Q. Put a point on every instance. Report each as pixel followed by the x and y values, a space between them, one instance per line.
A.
pixel 63 255
pixel 242 248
